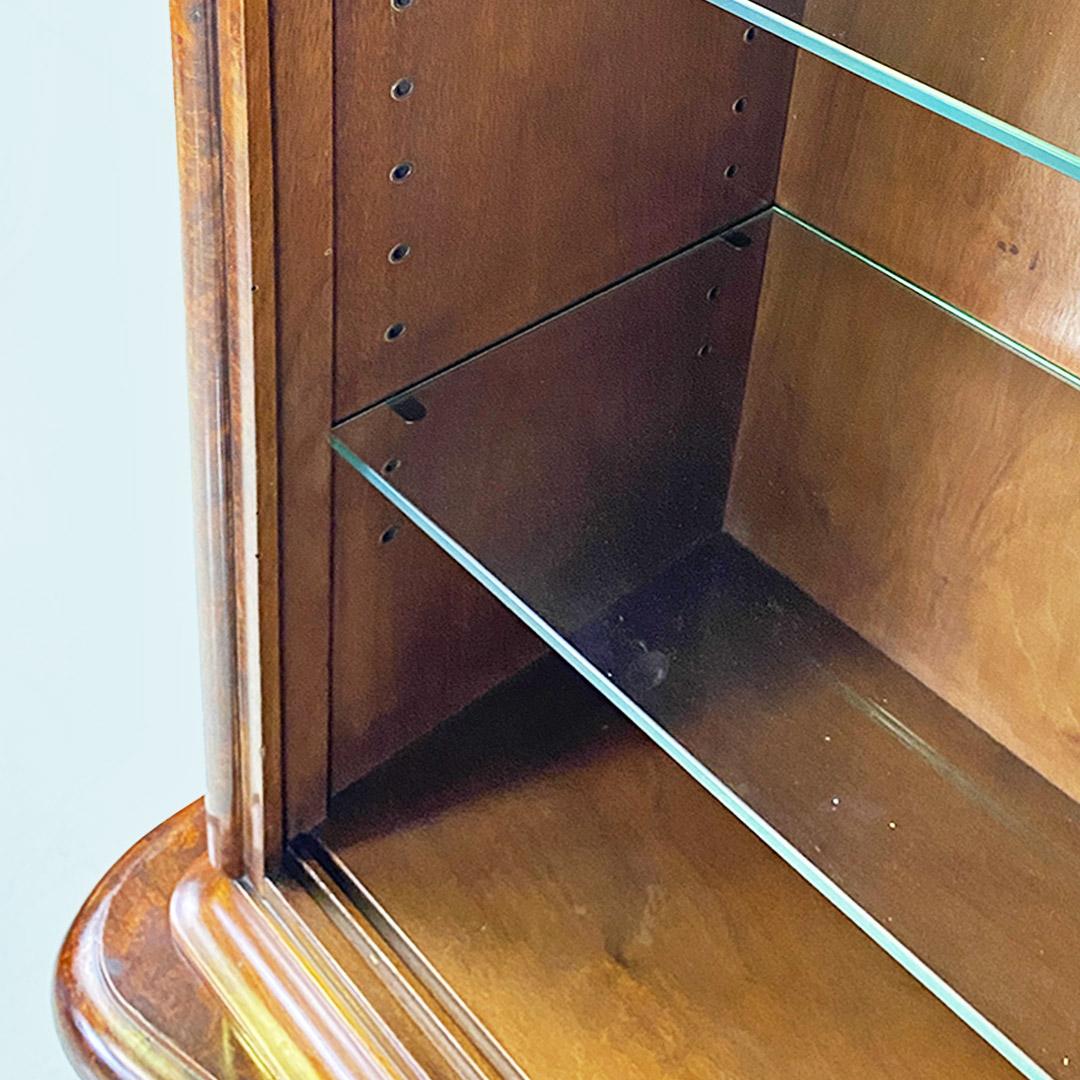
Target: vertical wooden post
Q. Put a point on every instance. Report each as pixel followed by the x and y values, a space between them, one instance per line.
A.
pixel 221 71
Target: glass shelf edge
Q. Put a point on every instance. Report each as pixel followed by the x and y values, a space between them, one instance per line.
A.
pixel 973 322
pixel 936 101
pixel 754 821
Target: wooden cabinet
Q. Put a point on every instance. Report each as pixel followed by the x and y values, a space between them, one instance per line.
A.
pixel 637 454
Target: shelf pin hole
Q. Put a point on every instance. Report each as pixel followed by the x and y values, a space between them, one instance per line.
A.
pixel 751 33
pixel 399 253
pixel 394 331
pixel 401 172
pixel 388 535
pixel 731 170
pixel 402 89
pixel 740 104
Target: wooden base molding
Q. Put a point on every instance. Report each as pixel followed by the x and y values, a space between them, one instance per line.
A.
pixel 127 1004
pixel 174 971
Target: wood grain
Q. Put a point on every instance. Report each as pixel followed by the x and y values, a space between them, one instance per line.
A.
pixel 283 990
pixel 556 147
pixel 1012 60
pixel 126 1002
pixel 965 854
pixel 978 225
pixel 573 460
pixel 604 917
pixel 267 1000
pixel 923 484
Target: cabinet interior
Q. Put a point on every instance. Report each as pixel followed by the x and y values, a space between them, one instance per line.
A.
pixel 749 389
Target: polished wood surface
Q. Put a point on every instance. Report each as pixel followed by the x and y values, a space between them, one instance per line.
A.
pixel 955 847
pixel 127 1004
pixel 554 148
pixel 923 484
pixel 254 103
pixel 296 1011
pixel 1014 61
pixel 972 222
pixel 603 916
pixel 172 971
pixel 223 134
pixel 573 460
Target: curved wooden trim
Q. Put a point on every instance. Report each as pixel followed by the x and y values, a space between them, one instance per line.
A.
pixel 126 1003
pixel 174 971
pixel 297 1018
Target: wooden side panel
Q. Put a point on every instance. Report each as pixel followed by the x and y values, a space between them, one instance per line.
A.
pixel 553 147
pixel 302 37
pixel 1013 60
pixel 994 233
pixel 922 484
pixel 415 638
pixel 573 461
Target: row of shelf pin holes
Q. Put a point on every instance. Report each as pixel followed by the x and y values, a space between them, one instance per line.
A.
pixel 737 239
pixel 403 88
pixel 399 91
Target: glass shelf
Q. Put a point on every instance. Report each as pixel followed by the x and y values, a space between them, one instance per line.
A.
pixel 537 841
pixel 1006 71
pixel 579 472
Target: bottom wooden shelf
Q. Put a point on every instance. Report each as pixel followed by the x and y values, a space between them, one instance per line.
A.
pixel 601 915
pixel 533 890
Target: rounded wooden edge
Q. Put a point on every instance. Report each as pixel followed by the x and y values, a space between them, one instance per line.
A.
pixel 125 1002
pixel 299 1016
pixel 173 971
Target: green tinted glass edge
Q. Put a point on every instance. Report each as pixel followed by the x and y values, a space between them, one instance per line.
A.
pixel 896 82
pixel 787 851
pixel 969 320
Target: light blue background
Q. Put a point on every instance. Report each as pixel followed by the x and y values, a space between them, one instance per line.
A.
pixel 99 720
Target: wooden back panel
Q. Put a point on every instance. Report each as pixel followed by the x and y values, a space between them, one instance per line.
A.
pixel 573 461
pixel 554 148
pixel 923 484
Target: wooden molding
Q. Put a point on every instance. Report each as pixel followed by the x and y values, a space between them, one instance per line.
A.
pixel 113 1013
pixel 174 971
pixel 222 107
